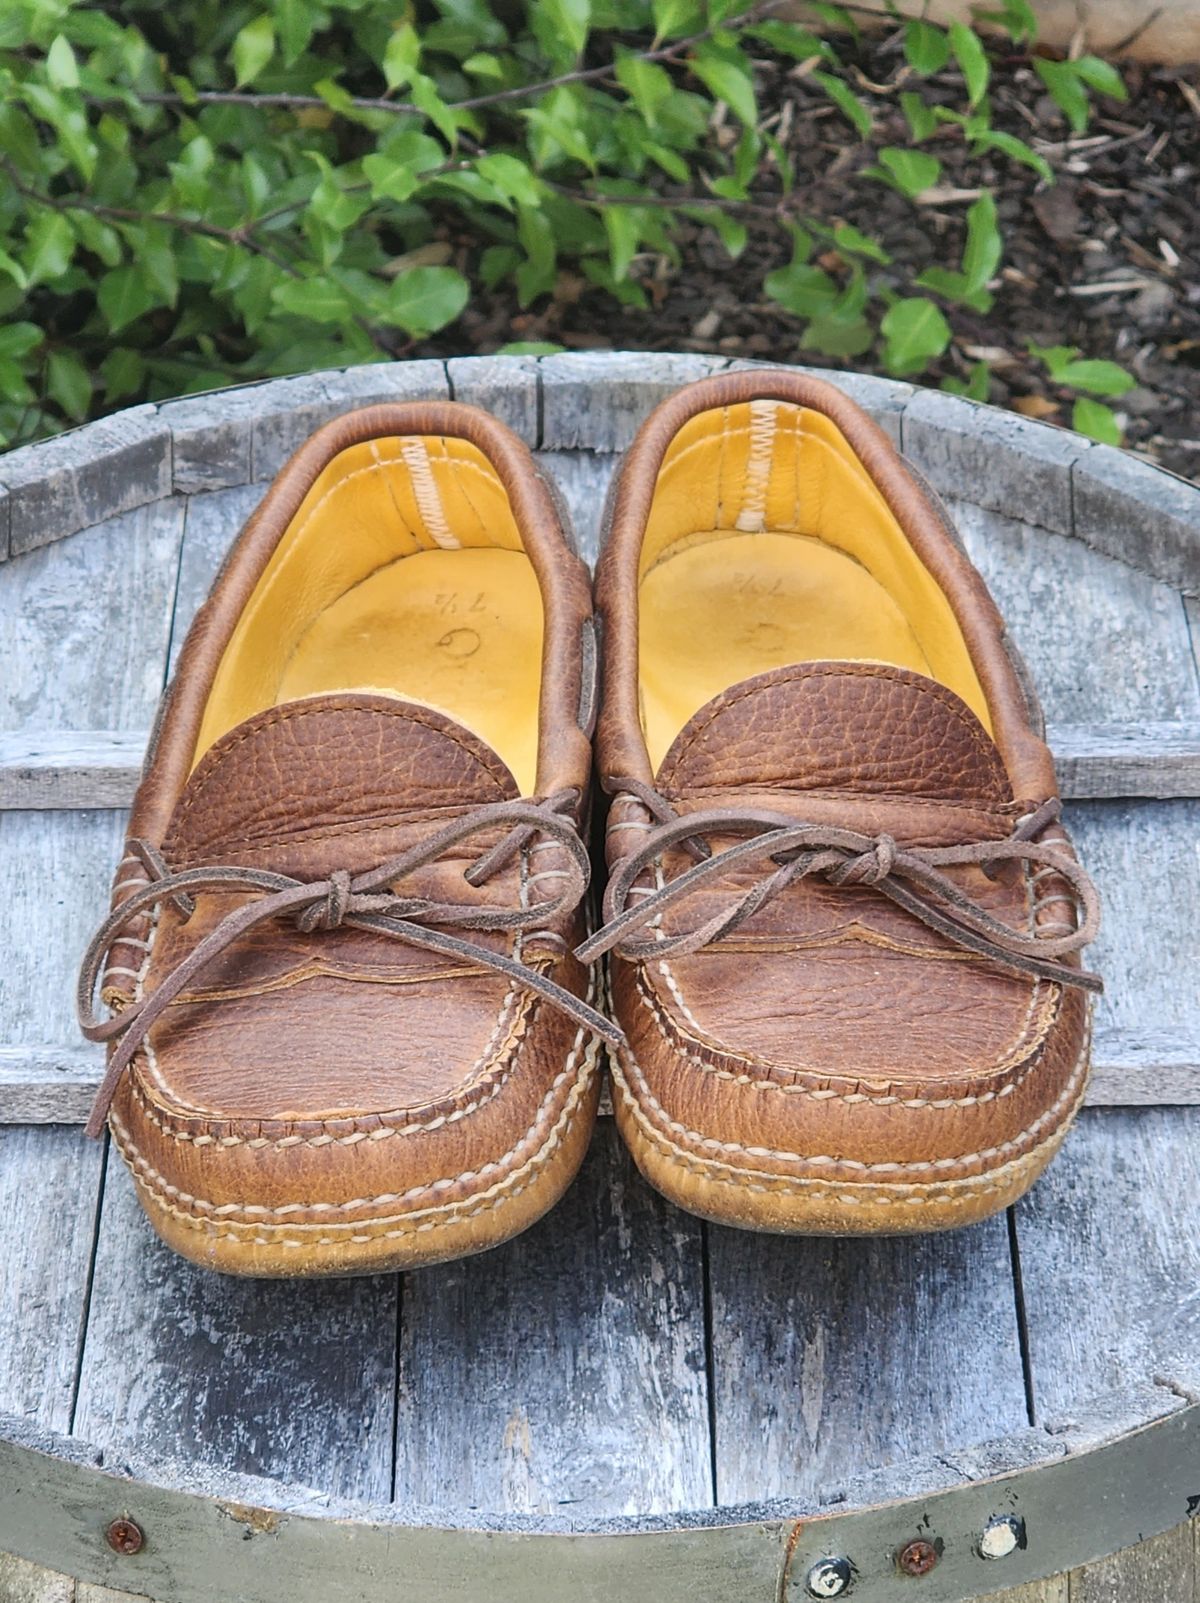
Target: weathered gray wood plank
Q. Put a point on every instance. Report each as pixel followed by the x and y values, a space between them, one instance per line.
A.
pixel 1144 858
pixel 49 1085
pixel 564 1372
pixel 292 1379
pixel 1110 1257
pixel 55 874
pixel 505 386
pixel 49 1191
pixel 211 524
pixel 84 623
pixel 101 767
pixel 1007 463
pixel 1138 512
pixel 597 400
pixel 833 1357
pixel 85 476
pixel 1104 642
pixel 584 478
pixel 1139 758
pixel 1055 1590
pixel 22 1582
pixel 1162 1570
pixel 47 768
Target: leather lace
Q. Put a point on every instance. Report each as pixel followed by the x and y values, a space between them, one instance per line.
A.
pixel 368 901
pixel 913 877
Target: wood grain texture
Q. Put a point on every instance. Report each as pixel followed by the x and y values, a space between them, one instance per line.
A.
pixel 291 1379
pixel 49 1192
pixel 55 874
pixel 84 623
pixel 505 386
pixel 1054 1590
pixel 1110 1257
pixel 565 1371
pixel 833 1357
pixel 22 1582
pixel 597 400
pixel 1138 758
pixel 1144 859
pixel 1162 1570
pixel 47 1084
pixel 583 477
pixel 84 476
pixel 47 768
pixel 1104 642
pixel 211 524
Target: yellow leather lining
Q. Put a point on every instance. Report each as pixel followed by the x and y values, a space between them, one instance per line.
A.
pixel 402 573
pixel 768 544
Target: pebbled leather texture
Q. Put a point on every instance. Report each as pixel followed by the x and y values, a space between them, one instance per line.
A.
pixel 340 1102
pixel 834 1065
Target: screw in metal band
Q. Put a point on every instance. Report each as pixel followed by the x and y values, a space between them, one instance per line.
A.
pixel 1002 1535
pixel 123 1536
pixel 917 1557
pixel 829 1577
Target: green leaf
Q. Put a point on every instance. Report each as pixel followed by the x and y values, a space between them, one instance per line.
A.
pixel 1066 89
pixel 513 178
pixel 297 20
pixel 916 333
pixel 621 226
pixel 425 299
pixel 728 81
pixel 49 246
pixel 1096 420
pixel 834 335
pixel 920 118
pixel 847 102
pixel 124 295
pixel 569 20
pixel 401 55
pixel 804 291
pixel 62 69
pixel 984 247
pixel 317 300
pixel 252 49
pixel 975 388
pixel 790 39
pixel 1098 378
pixel 972 60
pixel 481 65
pixel 675 17
pixel 848 238
pixel 18 339
pixel 647 84
pixel 530 348
pixel 1011 145
pixel 926 47
pixel 910 171
pixel 69 384
pixel 1101 76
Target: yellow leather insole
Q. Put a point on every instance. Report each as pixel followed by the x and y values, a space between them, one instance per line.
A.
pixel 768 543
pixel 460 631
pixel 722 608
pixel 402 572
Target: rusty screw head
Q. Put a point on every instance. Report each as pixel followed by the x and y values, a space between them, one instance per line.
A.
pixel 123 1536
pixel 917 1557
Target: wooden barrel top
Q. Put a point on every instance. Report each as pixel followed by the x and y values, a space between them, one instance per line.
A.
pixel 624 1403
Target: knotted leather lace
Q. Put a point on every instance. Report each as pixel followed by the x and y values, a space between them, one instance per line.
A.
pixel 368 901
pixel 911 876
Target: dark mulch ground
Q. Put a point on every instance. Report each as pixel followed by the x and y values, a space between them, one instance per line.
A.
pixel 1108 258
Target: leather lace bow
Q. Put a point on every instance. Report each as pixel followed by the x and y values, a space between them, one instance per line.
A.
pixel 366 901
pixel 911 876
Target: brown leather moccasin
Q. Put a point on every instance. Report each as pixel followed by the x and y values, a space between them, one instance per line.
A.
pixel 347 1030
pixel 844 919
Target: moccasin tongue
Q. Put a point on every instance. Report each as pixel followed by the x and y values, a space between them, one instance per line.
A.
pixel 335 781
pixel 861 729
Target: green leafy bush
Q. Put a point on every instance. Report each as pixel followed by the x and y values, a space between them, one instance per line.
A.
pixel 196 194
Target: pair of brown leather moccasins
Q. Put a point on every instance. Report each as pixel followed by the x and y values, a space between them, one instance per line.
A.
pixel 353 1005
